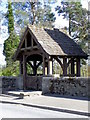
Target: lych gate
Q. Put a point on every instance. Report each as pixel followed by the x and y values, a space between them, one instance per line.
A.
pixel 42 46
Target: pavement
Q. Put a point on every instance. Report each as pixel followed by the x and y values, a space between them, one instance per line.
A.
pixel 48 101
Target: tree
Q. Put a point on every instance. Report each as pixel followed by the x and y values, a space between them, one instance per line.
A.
pixel 33 13
pixel 78 21
pixel 10 18
pixel 10 45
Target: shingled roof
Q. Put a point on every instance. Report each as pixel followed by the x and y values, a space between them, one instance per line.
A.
pixel 55 42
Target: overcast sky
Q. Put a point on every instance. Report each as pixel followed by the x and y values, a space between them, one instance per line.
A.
pixel 59 23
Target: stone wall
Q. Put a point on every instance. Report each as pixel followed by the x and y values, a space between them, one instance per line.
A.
pixel 10 83
pixel 63 86
pixel 16 83
pixel 34 82
pixel 66 86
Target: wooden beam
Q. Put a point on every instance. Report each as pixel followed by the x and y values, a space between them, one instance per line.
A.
pixel 23 37
pixel 52 66
pixel 65 66
pixel 24 72
pixel 78 67
pixel 72 66
pixel 31 41
pixel 38 52
pixel 49 66
pixel 59 62
pixel 50 71
pixel 39 64
pixel 25 42
pixel 30 64
pixel 29 48
pixel 35 67
pixel 69 62
pixel 43 65
pixel 21 67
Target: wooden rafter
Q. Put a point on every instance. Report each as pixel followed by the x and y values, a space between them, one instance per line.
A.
pixel 59 61
pixel 39 64
pixel 30 64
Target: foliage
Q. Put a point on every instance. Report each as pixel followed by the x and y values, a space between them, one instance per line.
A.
pixel 10 18
pixel 0 72
pixel 33 13
pixel 78 20
pixel 11 70
pixel 10 45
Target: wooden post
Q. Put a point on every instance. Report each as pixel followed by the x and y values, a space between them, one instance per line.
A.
pixel 35 68
pixel 50 67
pixel 65 66
pixel 78 67
pixel 25 43
pixel 24 72
pixel 43 65
pixel 21 67
pixel 31 42
pixel 72 66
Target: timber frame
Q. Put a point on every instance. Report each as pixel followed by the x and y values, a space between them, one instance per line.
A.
pixel 35 49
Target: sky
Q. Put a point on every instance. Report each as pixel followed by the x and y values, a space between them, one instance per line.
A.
pixel 59 23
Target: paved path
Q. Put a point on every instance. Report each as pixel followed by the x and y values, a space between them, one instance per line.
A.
pixel 58 103
pixel 19 111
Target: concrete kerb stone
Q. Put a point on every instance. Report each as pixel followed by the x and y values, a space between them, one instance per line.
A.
pixel 49 108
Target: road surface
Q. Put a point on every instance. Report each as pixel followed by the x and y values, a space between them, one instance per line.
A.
pixel 20 111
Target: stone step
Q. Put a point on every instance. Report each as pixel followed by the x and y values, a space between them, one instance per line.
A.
pixel 22 94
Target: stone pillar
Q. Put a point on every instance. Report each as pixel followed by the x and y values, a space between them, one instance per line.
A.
pixel 78 67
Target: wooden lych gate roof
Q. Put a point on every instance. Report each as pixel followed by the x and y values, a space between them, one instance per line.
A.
pixel 52 42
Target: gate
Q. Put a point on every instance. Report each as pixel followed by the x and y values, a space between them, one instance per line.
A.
pixel 34 82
